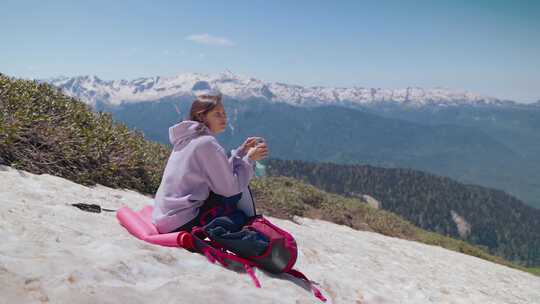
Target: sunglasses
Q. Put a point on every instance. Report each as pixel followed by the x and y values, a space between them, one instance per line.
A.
pixel 206 97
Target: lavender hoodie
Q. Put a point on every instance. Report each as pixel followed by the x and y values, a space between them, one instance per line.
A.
pixel 197 164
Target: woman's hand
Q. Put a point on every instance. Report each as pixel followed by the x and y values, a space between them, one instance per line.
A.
pixel 249 143
pixel 258 152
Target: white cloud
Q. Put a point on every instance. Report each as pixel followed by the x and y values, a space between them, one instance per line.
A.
pixel 210 40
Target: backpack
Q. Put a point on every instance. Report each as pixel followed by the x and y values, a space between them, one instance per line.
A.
pixel 279 254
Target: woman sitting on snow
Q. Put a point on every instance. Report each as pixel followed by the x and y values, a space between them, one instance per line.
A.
pixel 199 175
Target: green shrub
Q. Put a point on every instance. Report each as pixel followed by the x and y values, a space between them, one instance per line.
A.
pixel 44 131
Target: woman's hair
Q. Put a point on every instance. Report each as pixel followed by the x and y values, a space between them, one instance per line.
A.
pixel 202 105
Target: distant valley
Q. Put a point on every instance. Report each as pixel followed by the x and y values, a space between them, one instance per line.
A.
pixel 482 141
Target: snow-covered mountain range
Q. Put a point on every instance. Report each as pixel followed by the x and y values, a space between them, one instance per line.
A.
pixel 92 89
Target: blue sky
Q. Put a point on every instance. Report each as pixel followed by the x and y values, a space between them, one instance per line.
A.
pixel 488 47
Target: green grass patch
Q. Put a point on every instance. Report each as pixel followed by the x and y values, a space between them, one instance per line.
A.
pixel 534 270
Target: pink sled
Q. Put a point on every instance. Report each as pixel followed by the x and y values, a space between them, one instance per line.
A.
pixel 139 224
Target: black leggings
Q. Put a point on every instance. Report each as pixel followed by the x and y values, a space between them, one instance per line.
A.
pixel 189 225
pixel 212 201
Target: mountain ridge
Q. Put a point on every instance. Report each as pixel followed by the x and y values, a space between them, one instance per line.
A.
pixel 115 92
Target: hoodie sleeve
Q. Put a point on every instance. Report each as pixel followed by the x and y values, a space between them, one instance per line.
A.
pixel 225 177
pixel 236 153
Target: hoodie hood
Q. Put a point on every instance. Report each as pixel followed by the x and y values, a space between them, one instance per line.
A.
pixel 185 131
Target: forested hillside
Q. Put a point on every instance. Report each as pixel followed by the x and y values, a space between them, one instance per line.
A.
pixel 490 218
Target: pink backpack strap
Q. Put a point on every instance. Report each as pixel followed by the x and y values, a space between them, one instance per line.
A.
pixel 251 273
pixel 316 292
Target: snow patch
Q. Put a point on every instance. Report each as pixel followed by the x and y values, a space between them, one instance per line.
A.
pixel 464 228
pixel 53 252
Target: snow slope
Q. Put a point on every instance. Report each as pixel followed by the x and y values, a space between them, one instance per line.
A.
pixel 52 252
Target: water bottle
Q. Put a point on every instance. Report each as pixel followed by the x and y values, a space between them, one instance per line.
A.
pixel 260 167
